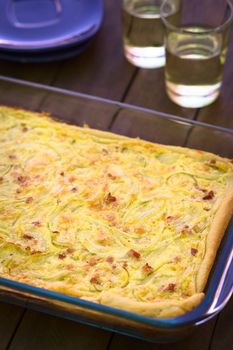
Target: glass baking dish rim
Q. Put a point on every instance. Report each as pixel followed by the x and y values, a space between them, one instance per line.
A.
pixel 205 310
pixel 202 313
pixel 122 105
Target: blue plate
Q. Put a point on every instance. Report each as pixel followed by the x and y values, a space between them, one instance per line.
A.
pixel 36 26
pixel 44 56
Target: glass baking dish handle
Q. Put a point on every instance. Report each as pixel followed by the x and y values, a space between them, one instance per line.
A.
pixel 225 287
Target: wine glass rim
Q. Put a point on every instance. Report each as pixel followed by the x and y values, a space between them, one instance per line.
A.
pixel 205 31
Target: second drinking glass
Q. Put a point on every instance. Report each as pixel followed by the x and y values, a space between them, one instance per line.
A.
pixel 196 46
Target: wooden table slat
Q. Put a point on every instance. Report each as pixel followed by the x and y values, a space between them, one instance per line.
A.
pixel 223 335
pixel 149 127
pixel 102 69
pixel 199 339
pixel 43 73
pixel 40 331
pixel 148 90
pixel 10 316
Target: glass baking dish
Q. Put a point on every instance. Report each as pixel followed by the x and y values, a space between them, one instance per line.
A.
pixel 136 122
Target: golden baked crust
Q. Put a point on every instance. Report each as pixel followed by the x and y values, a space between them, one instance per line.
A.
pixel 119 221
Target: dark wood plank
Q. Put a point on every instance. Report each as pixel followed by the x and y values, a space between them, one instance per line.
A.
pixel 150 127
pixel 10 316
pixel 199 339
pixel 223 335
pixel 102 69
pixel 20 96
pixel 79 111
pixel 39 331
pixel 212 141
pixel 148 90
pixel 39 72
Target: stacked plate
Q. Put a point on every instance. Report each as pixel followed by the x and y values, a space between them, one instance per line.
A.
pixel 46 30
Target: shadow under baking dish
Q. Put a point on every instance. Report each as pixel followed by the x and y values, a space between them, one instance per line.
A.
pixel 159 127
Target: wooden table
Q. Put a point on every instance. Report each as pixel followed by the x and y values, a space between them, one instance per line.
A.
pixel 103 71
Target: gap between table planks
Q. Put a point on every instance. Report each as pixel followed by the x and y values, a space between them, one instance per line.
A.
pixel 39 331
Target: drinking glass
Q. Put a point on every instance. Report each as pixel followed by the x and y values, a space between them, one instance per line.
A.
pixel 195 51
pixel 143 33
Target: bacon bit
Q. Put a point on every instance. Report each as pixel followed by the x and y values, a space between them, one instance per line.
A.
pixel 34 251
pixel 18 190
pixel 194 251
pixel 207 209
pixel 27 237
pixel 36 223
pixel 140 229
pixel 169 218
pixel 24 129
pixel 177 258
pixel 29 200
pixel 74 189
pixel 110 259
pixel 95 279
pixel 92 261
pixel 209 196
pixel 113 177
pixel 72 178
pixel 62 256
pixel 12 156
pixel 185 229
pixel 23 180
pixel 213 161
pixel 133 254
pixel 1 179
pixel 170 288
pixel 147 269
pixel 70 250
pixel 110 198
pixel 62 173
